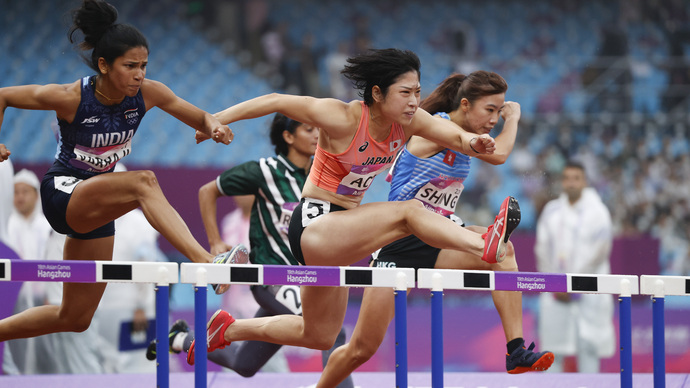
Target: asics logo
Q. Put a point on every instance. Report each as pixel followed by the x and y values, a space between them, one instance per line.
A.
pixel 364 146
pixel 496 229
pixel 91 120
pixel 210 336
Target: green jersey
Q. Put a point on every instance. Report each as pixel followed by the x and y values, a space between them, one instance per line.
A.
pixel 276 184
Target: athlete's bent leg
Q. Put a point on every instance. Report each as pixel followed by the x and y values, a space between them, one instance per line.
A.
pixel 375 314
pixel 323 313
pixel 368 227
pixel 104 198
pixel 508 303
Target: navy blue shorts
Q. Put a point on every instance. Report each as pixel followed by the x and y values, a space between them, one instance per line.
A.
pixel 56 191
pixel 408 252
pixel 306 212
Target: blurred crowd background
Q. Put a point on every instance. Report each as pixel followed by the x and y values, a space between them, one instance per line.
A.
pixel 603 82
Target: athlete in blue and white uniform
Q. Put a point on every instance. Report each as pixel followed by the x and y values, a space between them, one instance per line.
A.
pixel 434 175
pixel 97 116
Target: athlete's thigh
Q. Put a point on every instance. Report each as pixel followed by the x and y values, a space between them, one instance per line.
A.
pixel 323 310
pixel 101 199
pixel 83 298
pixel 344 237
pixel 375 314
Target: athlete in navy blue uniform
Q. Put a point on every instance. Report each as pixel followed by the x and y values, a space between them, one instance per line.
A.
pixel 98 115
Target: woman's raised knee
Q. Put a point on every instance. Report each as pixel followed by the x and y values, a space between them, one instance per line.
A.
pixel 146 180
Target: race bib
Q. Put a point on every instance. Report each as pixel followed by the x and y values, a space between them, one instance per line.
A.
pixel 441 195
pixel 289 297
pixel 359 179
pixel 101 158
pixel 66 184
pixel 312 209
pixel 285 215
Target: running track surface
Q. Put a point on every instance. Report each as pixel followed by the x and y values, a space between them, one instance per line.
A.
pixel 362 380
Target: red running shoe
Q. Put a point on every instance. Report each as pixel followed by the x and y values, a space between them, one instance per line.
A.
pixel 215 334
pixel 496 237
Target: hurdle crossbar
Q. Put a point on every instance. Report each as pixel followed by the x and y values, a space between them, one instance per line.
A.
pixel 256 274
pixel 439 279
pixel 658 287
pixel 453 279
pixel 87 271
pixel 83 271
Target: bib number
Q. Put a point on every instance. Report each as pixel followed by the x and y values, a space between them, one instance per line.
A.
pixel 289 297
pixel 66 184
pixel 312 209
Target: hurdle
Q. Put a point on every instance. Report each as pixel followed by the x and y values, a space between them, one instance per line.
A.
pixel 255 274
pixel 78 271
pixel 658 287
pixel 439 279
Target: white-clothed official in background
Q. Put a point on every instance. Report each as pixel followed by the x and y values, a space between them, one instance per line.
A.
pixel 574 235
pixel 28 229
pixel 6 197
pixel 27 234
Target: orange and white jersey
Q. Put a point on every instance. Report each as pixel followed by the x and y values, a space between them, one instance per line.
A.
pixel 352 172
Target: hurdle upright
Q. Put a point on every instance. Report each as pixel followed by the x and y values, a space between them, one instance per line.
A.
pixel 439 279
pixel 658 287
pixel 84 271
pixel 255 274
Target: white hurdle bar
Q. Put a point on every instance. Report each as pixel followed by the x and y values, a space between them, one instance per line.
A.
pixel 253 274
pixel 658 287
pixel 85 271
pixel 439 279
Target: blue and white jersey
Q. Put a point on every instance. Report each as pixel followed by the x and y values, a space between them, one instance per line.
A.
pixel 436 181
pixel 99 135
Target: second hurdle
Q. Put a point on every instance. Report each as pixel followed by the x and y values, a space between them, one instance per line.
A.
pixel 439 279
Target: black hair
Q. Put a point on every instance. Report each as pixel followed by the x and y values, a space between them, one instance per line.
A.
pixel 107 39
pixel 379 67
pixel 280 124
pixel 575 164
pixel 447 96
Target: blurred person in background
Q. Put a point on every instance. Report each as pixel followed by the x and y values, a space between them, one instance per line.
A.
pixel 28 233
pixel 6 197
pixel 27 226
pixel 574 235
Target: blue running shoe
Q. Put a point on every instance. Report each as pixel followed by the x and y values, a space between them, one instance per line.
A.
pixel 523 360
pixel 238 255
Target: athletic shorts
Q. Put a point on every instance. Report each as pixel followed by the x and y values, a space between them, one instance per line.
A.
pixel 308 211
pixel 56 191
pixel 408 252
